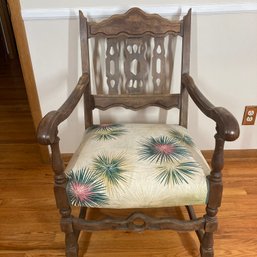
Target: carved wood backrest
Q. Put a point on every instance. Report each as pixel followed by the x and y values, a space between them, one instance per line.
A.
pixel 131 59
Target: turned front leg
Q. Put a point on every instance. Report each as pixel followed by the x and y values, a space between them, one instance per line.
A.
pixel 60 182
pixel 215 196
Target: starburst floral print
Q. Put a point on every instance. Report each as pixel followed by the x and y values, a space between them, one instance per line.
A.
pixel 161 149
pixel 111 169
pixel 107 131
pixel 84 188
pixel 137 166
pixel 181 137
pixel 176 173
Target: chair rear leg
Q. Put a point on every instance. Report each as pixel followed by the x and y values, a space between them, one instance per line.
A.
pixel 72 235
pixel 71 243
pixel 211 225
pixel 82 215
pixel 206 248
pixel 205 239
pixel 192 216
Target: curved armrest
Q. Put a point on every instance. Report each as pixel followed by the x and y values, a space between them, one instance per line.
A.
pixel 227 125
pixel 47 128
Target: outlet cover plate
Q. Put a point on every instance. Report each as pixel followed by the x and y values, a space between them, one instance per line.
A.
pixel 249 115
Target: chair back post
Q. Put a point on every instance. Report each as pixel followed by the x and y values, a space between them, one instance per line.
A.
pixel 88 105
pixel 186 34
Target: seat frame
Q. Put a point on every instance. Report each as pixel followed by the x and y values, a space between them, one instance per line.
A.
pixel 226 126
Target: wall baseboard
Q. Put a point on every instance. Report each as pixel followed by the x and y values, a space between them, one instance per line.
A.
pixel 167 10
pixel 233 154
pixel 228 154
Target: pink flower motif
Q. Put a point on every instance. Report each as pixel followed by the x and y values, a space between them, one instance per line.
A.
pixel 164 148
pixel 81 191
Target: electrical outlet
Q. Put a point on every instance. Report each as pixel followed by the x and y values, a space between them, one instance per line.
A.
pixel 249 115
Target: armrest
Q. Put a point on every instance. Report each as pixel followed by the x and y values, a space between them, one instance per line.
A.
pixel 227 125
pixel 47 128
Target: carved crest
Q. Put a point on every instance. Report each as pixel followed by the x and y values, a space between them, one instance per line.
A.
pixel 134 22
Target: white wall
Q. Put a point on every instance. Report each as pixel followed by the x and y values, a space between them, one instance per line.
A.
pixel 30 4
pixel 223 63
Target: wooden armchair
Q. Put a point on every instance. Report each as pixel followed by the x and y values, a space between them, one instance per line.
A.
pixel 136 165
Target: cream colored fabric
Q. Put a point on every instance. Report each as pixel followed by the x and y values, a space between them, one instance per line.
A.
pixel 137 166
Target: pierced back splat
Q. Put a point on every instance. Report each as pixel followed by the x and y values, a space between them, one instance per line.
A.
pixel 135 65
pixel 134 59
pixel 138 65
pixel 112 65
pixel 158 66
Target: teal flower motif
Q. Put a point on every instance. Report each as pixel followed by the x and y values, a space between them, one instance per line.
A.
pixel 111 169
pixel 107 131
pixel 177 174
pixel 85 189
pixel 161 149
pixel 181 138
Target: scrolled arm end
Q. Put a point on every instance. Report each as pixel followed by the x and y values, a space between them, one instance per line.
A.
pixel 227 124
pixel 47 129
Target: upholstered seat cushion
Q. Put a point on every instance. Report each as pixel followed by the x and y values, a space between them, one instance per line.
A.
pixel 137 166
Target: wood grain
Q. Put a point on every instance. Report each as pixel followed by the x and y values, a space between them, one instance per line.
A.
pixel 35 232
